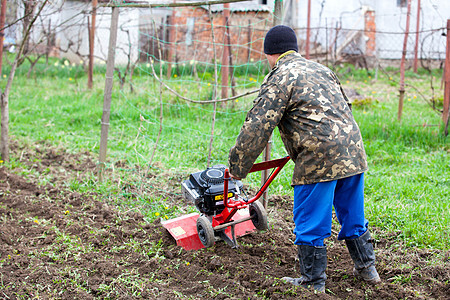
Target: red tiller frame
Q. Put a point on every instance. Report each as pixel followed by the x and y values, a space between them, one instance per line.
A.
pixel 235 205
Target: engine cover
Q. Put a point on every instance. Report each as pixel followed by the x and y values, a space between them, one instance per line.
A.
pixel 205 189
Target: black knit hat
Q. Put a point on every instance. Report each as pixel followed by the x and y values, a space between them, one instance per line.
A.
pixel 280 39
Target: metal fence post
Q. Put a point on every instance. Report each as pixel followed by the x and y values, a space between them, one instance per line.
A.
pixel 402 65
pixel 445 113
pixel 308 31
pixel 416 46
pixel 277 19
pixel 91 44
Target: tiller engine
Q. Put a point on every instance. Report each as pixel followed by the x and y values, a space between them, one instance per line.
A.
pixel 225 210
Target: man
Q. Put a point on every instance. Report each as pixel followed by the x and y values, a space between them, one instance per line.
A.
pixel 306 101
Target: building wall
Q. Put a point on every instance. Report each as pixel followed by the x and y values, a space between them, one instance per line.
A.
pixel 74 37
pixel 390 22
pixel 187 36
pixel 140 29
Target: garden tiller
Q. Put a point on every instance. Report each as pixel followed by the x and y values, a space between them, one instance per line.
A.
pixel 225 210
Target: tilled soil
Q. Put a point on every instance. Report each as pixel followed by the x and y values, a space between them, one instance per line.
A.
pixel 59 244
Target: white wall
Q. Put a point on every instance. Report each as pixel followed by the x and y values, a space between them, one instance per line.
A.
pixel 390 19
pixel 75 36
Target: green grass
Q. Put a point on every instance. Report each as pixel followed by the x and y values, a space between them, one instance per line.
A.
pixel 407 186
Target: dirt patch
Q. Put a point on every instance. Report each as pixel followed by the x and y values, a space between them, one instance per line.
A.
pixel 55 243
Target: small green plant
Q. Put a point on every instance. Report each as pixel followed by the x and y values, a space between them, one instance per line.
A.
pixel 367 101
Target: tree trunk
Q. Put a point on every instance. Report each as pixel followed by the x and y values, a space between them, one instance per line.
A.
pixel 4 96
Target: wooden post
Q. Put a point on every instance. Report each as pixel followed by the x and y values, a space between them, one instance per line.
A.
pixel 249 39
pixel 91 44
pixel 216 79
pixel 225 57
pixel 108 90
pixel 231 66
pixel 172 42
pixel 308 31
pixel 416 46
pixel 277 12
pixel 277 20
pixel 2 31
pixel 445 113
pixel 402 65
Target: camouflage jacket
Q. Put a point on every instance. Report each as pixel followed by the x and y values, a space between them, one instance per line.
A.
pixel 306 101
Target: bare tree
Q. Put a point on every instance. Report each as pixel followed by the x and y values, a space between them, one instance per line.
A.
pixel 4 94
pixel 131 64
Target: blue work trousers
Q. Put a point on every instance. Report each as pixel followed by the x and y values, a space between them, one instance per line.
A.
pixel 313 210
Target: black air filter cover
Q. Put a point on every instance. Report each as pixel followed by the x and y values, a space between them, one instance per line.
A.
pixel 208 187
pixel 213 175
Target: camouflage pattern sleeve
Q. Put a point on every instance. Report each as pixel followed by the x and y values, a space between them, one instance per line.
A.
pixel 259 124
pixel 342 91
pixel 306 101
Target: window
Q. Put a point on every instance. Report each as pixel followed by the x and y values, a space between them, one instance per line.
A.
pixel 402 3
pixel 190 29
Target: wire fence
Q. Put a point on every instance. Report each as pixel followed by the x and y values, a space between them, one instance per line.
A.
pixel 188 74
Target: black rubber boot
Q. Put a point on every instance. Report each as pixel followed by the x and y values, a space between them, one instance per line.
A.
pixel 313 263
pixel 362 254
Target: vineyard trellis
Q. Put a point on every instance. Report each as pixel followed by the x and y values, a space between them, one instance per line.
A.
pixel 187 58
pixel 175 69
pixel 225 32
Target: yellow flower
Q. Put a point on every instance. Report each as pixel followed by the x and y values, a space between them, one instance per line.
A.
pixel 175 76
pixel 373 92
pixel 56 63
pixel 67 212
pixel 9 256
pixel 4 75
pixel 66 62
pixel 390 78
pixel 188 263
pixel 148 65
pixel 348 81
pixel 415 97
pixel 36 221
pixel 1 161
pixel 209 84
pixel 251 79
pixel 166 217
pixel 364 112
pixel 409 99
pixel 156 213
pixel 70 78
pixel 370 77
pixel 237 100
pixel 166 207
